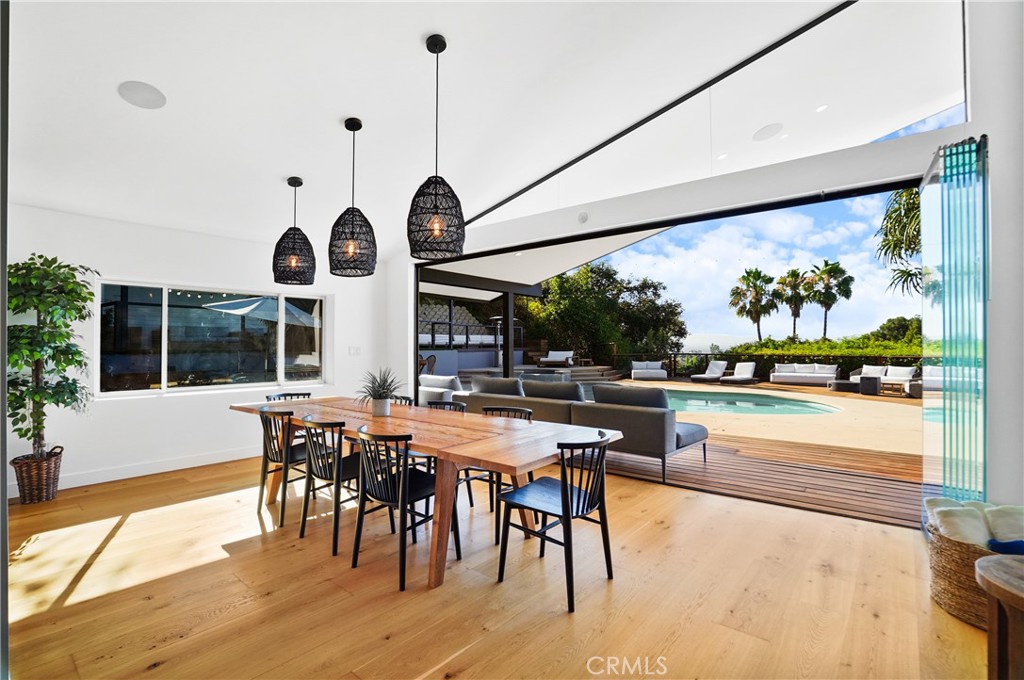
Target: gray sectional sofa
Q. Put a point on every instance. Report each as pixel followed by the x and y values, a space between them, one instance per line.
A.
pixel 648 425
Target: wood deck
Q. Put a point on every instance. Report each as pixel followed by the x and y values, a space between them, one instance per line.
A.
pixel 877 486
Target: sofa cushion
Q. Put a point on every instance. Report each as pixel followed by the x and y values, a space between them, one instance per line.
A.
pixel 513 386
pixel 966 525
pixel 785 368
pixel 1006 522
pixel 877 371
pixel 900 371
pixel 631 396
pixel 548 410
pixel 570 391
pixel 445 382
pixel 804 368
pixel 825 369
pixel 688 434
pixel 932 372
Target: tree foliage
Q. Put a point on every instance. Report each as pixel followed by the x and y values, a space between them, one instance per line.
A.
pixel 829 283
pixel 41 352
pixel 753 298
pixel 791 289
pixel 898 336
pixel 900 243
pixel 587 309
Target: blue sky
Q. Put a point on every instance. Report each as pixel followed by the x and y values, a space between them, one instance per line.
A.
pixel 699 263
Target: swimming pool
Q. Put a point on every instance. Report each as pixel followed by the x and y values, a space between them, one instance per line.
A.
pixel 742 403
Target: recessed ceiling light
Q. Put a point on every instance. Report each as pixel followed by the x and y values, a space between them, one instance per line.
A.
pixel 722 156
pixel 140 94
pixel 767 132
pixel 821 108
pixel 518 254
pixel 784 136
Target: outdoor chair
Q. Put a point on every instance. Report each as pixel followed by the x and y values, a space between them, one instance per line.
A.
pixel 388 480
pixel 280 451
pixel 326 464
pixel 578 493
pixel 742 375
pixel 559 358
pixel 716 369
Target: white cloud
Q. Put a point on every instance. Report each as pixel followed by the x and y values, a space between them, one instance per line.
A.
pixel 866 206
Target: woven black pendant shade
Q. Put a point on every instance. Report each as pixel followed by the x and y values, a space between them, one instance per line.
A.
pixel 437 229
pixel 353 247
pixel 294 259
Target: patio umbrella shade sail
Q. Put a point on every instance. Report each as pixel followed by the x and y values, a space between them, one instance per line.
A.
pixel 266 309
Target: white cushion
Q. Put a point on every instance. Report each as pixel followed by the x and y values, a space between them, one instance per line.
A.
pixel 935 502
pixel 638 365
pixel 877 371
pixel 825 368
pixel 966 525
pixel 900 372
pixel 1006 522
pixel 744 369
pixel 652 365
pixel 785 368
pixel 447 382
pixel 805 368
pixel 931 372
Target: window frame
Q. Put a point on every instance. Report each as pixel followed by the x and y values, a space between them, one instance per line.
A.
pixel 164 390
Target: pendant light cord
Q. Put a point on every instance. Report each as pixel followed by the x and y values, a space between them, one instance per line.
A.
pixel 295 206
pixel 353 168
pixel 437 99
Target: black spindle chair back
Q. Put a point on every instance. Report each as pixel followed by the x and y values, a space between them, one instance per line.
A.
pixel 277 432
pixel 447 406
pixel 384 466
pixel 517 412
pixel 402 400
pixel 323 443
pixel 289 396
pixel 582 474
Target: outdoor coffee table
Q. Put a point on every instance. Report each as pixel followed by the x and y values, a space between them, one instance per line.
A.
pixel 869 384
pixel 843 386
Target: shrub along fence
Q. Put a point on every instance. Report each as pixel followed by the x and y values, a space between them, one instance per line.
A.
pixel 683 364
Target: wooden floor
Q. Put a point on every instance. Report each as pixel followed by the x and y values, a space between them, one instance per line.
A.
pixel 872 485
pixel 177 576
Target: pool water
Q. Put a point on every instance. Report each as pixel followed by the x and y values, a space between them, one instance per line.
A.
pixel 741 403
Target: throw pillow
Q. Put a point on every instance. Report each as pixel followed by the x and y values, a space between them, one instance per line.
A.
pixel 825 369
pixel 935 502
pixel 805 368
pixel 445 382
pixel 900 372
pixel 488 385
pixel 966 525
pixel 785 368
pixel 638 365
pixel 877 371
pixel 568 391
pixel 1006 547
pixel 631 396
pixel 1006 522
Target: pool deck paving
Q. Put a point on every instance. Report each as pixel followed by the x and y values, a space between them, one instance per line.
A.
pixel 890 424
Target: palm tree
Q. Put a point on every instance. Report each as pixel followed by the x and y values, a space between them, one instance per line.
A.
pixel 901 240
pixel 791 290
pixel 753 299
pixel 829 284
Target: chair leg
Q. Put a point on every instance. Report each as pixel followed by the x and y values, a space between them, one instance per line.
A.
pixel 337 513
pixel 705 445
pixel 263 483
pixel 543 523
pixel 567 539
pixel 402 525
pixel 602 513
pixel 497 518
pixel 507 519
pixel 391 518
pixel 307 490
pixel 455 529
pixel 412 516
pixel 359 529
pixel 664 466
pixel 494 481
pixel 284 491
pixel 469 486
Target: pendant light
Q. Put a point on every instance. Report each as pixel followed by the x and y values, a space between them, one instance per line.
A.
pixel 294 260
pixel 353 248
pixel 437 229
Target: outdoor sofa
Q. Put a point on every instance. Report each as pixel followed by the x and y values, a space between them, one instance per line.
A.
pixel 901 375
pixel 642 414
pixel 648 370
pixel 804 374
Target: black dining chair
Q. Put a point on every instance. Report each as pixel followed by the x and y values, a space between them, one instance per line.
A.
pixel 289 396
pixel 447 406
pixel 402 400
pixel 578 492
pixel 281 453
pixel 387 479
pixel 495 485
pixel 327 466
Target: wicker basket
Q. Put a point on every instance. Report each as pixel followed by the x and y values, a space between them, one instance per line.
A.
pixel 954 587
pixel 38 477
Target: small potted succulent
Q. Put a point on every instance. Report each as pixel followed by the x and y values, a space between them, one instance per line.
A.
pixel 378 389
pixel 49 296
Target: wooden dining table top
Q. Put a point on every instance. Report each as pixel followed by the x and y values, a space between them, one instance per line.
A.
pixel 507 445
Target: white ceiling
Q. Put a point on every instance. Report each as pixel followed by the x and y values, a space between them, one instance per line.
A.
pixel 257 92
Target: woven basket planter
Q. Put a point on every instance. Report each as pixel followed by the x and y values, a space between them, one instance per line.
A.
pixel 38 477
pixel 954 587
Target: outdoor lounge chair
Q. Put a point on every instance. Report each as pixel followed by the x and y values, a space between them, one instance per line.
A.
pixel 561 358
pixel 716 369
pixel 743 375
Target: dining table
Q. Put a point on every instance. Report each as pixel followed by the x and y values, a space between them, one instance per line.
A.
pixel 511 446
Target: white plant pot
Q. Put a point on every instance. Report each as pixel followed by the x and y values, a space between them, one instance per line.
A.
pixel 381 407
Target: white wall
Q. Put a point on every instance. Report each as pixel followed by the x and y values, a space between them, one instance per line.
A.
pixel 133 435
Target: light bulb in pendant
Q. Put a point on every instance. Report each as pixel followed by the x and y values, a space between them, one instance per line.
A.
pixel 436 225
pixel 293 261
pixel 351 249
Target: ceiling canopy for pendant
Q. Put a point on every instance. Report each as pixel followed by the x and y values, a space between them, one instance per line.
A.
pixel 436 227
pixel 353 247
pixel 294 259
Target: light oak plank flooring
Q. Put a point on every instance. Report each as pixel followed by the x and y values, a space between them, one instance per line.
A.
pixel 177 576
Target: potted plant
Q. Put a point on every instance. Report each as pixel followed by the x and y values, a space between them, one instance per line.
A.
pixel 40 354
pixel 378 388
